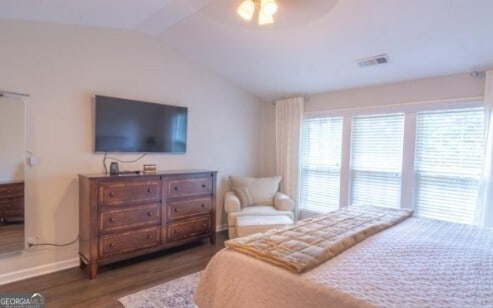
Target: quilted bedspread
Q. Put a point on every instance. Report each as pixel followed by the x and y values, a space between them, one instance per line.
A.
pixel 416 263
pixel 312 241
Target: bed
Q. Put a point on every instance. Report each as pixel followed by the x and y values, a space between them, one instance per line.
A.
pixel 415 263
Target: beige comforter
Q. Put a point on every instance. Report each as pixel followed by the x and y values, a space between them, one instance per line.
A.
pixel 312 241
pixel 416 263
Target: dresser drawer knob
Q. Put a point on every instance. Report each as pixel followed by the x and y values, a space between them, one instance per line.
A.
pixel 176 210
pixel 203 185
pixel 203 205
pixel 112 219
pixel 149 236
pixel 176 187
pixel 111 245
pixel 149 214
pixel 149 190
pixel 112 194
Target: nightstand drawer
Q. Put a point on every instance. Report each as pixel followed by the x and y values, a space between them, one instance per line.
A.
pixel 181 209
pixel 190 228
pixel 188 187
pixel 124 193
pixel 129 241
pixel 129 218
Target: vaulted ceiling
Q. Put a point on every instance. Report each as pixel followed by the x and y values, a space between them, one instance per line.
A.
pixel 311 47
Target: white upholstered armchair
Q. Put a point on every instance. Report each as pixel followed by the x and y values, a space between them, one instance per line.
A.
pixel 255 205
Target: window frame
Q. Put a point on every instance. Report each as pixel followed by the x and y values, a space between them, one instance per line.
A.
pixel 410 111
pixel 451 176
pixel 375 173
pixel 331 169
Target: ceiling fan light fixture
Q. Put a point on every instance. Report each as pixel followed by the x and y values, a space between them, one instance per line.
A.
pixel 264 19
pixel 269 7
pixel 266 10
pixel 246 9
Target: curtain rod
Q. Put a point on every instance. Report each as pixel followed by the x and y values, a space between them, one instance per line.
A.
pixel 11 93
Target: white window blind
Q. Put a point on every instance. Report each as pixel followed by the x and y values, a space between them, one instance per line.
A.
pixel 376 159
pixel 321 164
pixel 448 163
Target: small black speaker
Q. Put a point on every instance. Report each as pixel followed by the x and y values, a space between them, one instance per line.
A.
pixel 114 168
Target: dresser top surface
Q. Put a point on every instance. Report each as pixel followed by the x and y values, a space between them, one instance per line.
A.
pixel 158 173
pixel 20 182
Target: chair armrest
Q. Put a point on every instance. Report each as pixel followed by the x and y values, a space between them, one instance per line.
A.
pixel 231 202
pixel 282 202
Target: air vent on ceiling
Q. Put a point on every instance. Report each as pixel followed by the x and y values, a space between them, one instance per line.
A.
pixel 380 59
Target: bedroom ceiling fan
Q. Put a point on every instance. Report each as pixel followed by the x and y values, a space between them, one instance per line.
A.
pixel 267 15
pixel 266 9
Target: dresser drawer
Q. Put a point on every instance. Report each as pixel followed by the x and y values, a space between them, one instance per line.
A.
pixel 129 241
pixel 180 209
pixel 11 190
pixel 124 193
pixel 190 228
pixel 129 218
pixel 187 187
pixel 12 208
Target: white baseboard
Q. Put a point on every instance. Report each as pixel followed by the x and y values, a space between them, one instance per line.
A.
pixel 38 270
pixel 221 228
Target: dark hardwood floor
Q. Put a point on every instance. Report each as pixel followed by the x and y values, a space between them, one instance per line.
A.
pixel 72 288
pixel 11 237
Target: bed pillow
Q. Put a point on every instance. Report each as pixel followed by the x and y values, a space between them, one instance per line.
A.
pixel 261 190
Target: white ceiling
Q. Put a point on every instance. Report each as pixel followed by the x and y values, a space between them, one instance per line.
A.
pixel 310 49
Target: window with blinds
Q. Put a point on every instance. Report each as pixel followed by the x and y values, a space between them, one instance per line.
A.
pixel 321 164
pixel 376 159
pixel 448 163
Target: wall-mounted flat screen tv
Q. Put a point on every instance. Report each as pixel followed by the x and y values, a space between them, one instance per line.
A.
pixel 123 125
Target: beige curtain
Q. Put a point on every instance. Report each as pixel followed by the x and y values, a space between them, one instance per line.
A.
pixel 289 120
pixel 484 211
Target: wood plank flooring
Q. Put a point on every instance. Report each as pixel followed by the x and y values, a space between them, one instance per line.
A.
pixel 11 237
pixel 72 288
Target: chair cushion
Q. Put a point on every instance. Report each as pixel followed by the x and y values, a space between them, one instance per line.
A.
pixel 260 210
pixel 263 220
pixel 257 210
pixel 247 225
pixel 262 190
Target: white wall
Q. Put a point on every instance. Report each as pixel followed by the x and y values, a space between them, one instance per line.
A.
pixel 438 88
pixel 12 140
pixel 63 67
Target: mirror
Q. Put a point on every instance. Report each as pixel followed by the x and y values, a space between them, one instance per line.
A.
pixel 12 162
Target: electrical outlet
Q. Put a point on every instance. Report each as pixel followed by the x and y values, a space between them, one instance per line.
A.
pixel 31 241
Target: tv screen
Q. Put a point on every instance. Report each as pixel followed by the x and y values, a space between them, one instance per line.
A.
pixel 124 125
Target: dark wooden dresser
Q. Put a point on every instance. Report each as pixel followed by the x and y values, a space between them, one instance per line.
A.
pixel 125 216
pixel 12 202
